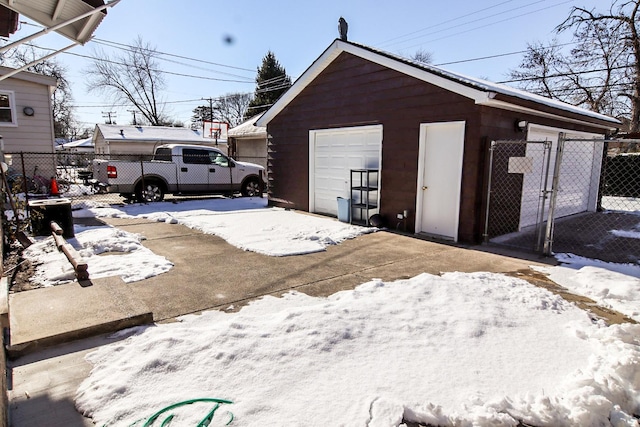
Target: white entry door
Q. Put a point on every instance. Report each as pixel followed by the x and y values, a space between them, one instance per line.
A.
pixel 439 179
pixel 332 154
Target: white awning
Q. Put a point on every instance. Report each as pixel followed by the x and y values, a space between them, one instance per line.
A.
pixel 74 19
pixel 51 13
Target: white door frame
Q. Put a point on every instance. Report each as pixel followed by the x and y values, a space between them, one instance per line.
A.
pixel 312 157
pixel 421 165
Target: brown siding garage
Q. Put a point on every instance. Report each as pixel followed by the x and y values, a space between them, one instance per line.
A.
pixel 425 114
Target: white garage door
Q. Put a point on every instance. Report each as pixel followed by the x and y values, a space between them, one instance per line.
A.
pixel 332 154
pixel 579 173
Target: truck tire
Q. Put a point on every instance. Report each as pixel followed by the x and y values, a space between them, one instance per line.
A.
pixel 251 187
pixel 152 191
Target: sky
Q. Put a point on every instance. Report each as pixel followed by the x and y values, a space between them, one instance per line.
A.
pixel 214 48
pixel 457 349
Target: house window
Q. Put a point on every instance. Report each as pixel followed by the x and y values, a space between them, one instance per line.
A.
pixel 7 109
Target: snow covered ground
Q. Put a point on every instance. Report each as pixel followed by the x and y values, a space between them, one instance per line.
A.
pixel 453 350
pixel 244 222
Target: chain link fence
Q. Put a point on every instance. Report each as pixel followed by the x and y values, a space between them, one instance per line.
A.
pixel 81 177
pixel 577 196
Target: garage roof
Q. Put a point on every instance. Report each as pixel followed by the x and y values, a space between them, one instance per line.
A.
pixel 149 133
pixel 248 129
pixel 481 91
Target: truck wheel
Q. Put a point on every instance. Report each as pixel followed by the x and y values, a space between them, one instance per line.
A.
pixel 250 188
pixel 153 191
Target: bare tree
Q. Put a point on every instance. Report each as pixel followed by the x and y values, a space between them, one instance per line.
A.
pixel 423 56
pixel 64 122
pixel 623 20
pixel 231 108
pixel 133 78
pixel 601 72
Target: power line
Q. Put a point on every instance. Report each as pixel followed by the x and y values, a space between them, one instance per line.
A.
pixel 575 73
pixel 129 47
pixel 97 40
pixel 156 55
pixel 499 55
pixel 160 71
pixel 487 25
pixel 444 22
pixel 464 23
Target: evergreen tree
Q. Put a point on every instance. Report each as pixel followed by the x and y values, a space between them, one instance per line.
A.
pixel 271 82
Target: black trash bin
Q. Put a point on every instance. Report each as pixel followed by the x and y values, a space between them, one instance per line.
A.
pixel 43 211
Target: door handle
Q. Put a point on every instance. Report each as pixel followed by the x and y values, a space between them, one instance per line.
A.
pixel 183 169
pixel 424 187
pixel 212 170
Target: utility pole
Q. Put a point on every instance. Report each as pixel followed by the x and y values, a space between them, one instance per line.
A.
pixel 210 112
pixel 107 115
pixel 135 123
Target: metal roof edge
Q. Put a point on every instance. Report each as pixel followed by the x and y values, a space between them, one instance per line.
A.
pixel 482 92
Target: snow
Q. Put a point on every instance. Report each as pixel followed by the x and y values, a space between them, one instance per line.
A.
pixel 616 286
pixel 453 350
pixel 460 349
pixel 108 252
pixel 246 223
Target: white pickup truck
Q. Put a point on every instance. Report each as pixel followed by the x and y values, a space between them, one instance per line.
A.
pixel 179 169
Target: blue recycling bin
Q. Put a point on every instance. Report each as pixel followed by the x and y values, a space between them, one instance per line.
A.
pixel 344 209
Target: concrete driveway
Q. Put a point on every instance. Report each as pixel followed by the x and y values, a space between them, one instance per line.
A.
pixel 53 328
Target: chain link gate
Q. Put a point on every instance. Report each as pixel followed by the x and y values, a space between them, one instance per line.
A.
pixel 583 193
pixel 517 193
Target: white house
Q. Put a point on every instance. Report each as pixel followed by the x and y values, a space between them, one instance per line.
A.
pixel 129 139
pixel 26 121
pixel 248 142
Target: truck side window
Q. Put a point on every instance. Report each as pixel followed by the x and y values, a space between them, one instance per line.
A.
pixel 195 156
pixel 219 159
pixel 163 154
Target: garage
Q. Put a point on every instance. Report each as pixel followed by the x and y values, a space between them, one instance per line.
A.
pixel 579 173
pixel 438 129
pixel 332 155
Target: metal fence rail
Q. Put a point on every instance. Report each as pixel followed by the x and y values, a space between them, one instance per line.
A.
pixel 30 174
pixel 587 191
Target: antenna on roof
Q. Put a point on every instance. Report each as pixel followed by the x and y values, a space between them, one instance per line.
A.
pixel 343 27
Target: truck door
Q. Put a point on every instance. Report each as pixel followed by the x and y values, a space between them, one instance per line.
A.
pixel 193 173
pixel 220 178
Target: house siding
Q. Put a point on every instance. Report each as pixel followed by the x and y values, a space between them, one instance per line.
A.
pixel 355 92
pixel 352 91
pixel 35 133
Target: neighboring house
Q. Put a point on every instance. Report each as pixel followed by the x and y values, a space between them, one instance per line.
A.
pixel 26 120
pixel 75 153
pixel 129 139
pixel 78 146
pixel 248 142
pixel 426 130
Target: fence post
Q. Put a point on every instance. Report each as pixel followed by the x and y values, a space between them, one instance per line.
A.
pixel 548 242
pixel 486 219
pixel 544 194
pixel 143 189
pixel 24 182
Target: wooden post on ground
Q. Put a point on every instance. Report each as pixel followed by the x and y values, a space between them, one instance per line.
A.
pixel 79 265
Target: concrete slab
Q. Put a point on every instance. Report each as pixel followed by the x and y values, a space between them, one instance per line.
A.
pixel 53 315
pixel 42 386
pixel 208 274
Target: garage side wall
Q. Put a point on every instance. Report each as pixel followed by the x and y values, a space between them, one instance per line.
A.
pixel 354 92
